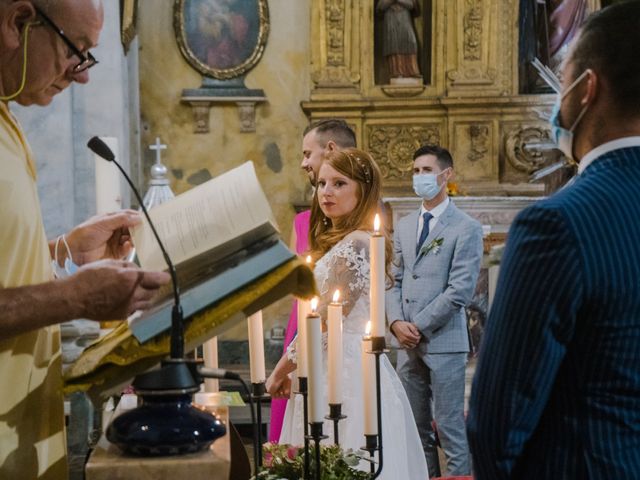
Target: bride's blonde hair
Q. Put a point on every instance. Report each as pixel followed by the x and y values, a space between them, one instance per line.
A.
pixel 360 167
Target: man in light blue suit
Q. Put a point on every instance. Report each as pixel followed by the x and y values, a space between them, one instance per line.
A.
pixel 437 256
pixel 557 387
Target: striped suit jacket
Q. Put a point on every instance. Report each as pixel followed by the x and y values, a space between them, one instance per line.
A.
pixel 431 289
pixel 557 387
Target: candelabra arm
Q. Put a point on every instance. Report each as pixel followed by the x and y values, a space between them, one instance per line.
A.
pixel 302 390
pixel 378 347
pixel 258 394
pixel 335 415
pixel 379 404
pixel 317 436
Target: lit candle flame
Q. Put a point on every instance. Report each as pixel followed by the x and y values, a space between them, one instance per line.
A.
pixel 309 259
pixel 376 223
pixel 367 330
pixel 314 305
pixel 336 296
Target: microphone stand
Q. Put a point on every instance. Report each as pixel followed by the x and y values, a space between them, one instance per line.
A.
pixel 175 377
pixel 177 316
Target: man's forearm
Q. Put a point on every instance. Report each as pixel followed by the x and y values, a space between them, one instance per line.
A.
pixel 36 306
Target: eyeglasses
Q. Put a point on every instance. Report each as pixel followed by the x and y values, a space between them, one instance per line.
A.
pixel 86 61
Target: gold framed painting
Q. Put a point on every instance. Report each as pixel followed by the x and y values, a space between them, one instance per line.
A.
pixel 222 39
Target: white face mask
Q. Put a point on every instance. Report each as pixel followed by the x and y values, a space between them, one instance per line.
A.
pixel 562 136
pixel 426 185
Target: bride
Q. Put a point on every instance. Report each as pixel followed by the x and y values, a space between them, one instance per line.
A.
pixel 346 200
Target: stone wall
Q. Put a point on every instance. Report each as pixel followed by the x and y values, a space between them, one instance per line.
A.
pixel 275 146
pixel 58 133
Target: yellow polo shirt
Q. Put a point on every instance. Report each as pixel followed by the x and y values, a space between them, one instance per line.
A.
pixel 32 437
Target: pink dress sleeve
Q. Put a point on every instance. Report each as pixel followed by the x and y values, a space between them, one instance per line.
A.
pixel 301 225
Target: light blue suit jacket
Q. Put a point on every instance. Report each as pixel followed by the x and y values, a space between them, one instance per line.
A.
pixel 432 288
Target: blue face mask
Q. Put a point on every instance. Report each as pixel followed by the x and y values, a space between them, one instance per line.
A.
pixel 426 185
pixel 563 137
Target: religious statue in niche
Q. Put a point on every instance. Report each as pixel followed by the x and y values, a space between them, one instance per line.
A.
pixel 398 40
pixel 546 30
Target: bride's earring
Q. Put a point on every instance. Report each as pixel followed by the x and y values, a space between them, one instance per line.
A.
pixel 325 221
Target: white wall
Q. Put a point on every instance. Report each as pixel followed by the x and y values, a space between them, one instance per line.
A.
pixel 58 133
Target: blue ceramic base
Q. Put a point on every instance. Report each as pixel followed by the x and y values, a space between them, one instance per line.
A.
pixel 164 425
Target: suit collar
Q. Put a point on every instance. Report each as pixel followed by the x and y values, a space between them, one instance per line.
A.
pixel 443 221
pixel 601 150
pixel 438 210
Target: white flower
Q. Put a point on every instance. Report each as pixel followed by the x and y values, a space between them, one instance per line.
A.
pixel 434 246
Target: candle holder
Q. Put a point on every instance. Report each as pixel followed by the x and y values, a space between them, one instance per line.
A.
pixel 371 446
pixel 335 415
pixel 258 394
pixel 378 347
pixel 302 390
pixel 316 436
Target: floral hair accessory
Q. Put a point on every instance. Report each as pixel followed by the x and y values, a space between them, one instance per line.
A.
pixel 366 169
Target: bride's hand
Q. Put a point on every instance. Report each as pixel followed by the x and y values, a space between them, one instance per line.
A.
pixel 286 387
pixel 273 385
pixel 278 388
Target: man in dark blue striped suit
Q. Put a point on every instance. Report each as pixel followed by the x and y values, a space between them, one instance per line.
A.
pixel 557 388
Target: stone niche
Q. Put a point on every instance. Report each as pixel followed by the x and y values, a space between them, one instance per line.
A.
pixel 466 100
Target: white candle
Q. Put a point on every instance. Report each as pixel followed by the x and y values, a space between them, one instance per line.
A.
pixel 314 352
pixel 108 194
pixel 334 350
pixel 369 386
pixel 210 354
pixel 376 251
pixel 256 348
pixel 301 347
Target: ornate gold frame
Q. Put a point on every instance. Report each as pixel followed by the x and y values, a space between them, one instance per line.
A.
pixel 128 20
pixel 227 73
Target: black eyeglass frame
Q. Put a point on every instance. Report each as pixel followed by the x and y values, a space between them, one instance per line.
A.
pixel 86 61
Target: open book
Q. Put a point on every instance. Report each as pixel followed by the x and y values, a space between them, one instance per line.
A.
pixel 220 235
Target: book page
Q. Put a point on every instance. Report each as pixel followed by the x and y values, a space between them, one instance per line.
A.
pixel 207 216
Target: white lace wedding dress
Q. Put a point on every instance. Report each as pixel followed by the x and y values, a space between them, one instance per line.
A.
pixel 346 267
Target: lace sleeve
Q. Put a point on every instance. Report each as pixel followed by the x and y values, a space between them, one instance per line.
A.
pixel 292 350
pixel 347 271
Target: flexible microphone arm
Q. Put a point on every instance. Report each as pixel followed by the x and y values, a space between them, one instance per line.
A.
pixel 97 146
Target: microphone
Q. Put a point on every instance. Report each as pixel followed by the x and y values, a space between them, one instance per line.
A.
pixel 97 146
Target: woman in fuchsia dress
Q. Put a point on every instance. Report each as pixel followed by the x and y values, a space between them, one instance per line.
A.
pixel 279 405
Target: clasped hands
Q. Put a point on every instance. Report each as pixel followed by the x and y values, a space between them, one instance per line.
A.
pixel 407 333
pixel 278 387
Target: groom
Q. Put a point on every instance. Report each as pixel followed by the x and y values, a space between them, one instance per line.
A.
pixel 438 250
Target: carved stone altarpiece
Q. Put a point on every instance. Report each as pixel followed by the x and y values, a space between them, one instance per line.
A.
pixel 471 104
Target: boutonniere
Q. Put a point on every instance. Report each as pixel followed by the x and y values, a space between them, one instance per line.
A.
pixel 434 246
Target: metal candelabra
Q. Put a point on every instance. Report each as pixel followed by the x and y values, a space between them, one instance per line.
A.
pixel 373 443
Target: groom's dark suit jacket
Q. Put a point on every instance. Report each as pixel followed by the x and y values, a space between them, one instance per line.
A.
pixel 557 389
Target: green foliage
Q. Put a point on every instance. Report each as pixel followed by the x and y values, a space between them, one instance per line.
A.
pixel 284 462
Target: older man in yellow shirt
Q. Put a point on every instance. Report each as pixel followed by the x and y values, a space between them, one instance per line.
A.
pixel 44 47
